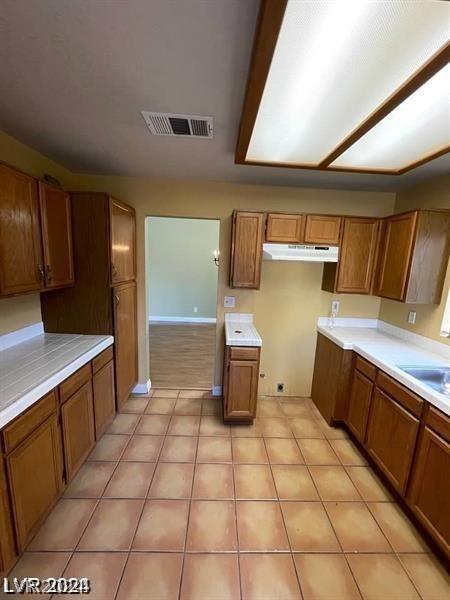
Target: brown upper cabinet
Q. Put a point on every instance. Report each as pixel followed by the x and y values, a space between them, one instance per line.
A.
pixel 353 274
pixel 246 249
pixel 56 236
pixel 413 256
pixel 322 229
pixel 21 267
pixel 123 267
pixel 284 228
pixel 35 235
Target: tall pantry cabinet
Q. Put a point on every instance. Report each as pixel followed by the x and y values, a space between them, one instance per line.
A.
pixel 103 299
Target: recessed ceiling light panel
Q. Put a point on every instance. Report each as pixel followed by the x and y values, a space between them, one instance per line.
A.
pixel 334 63
pixel 417 128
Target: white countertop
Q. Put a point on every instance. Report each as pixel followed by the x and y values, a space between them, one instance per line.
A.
pixel 240 331
pixel 387 352
pixel 31 369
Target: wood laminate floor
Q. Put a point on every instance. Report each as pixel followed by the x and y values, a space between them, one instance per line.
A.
pixel 174 505
pixel 182 355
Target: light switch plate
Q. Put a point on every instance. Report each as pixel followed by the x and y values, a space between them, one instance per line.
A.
pixel 229 302
pixel 335 306
pixel 412 317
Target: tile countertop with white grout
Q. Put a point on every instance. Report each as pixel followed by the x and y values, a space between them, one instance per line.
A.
pixel 387 352
pixel 32 368
pixel 240 330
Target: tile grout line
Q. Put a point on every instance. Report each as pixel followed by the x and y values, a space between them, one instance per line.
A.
pixel 236 517
pixel 284 524
pixel 189 511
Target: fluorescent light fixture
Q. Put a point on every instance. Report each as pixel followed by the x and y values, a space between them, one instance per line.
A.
pixel 417 128
pixel 335 62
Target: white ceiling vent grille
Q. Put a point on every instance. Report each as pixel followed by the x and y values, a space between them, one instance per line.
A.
pixel 178 125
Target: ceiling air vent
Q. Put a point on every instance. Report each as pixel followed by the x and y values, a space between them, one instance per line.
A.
pixel 178 125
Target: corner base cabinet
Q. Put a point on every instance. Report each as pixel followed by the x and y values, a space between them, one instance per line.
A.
pixel 240 383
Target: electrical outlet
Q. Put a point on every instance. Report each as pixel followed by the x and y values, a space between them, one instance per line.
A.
pixel 335 307
pixel 280 387
pixel 229 302
pixel 412 317
pixel 196 309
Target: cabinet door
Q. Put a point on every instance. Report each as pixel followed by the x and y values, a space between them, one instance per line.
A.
pixel 123 232
pixel 430 486
pixel 242 390
pixel 394 260
pixel 56 236
pixel 7 545
pixel 125 339
pixel 77 417
pixel 35 477
pixel 284 228
pixel 359 405
pixel 322 229
pixel 357 256
pixel 391 438
pixel 21 268
pixel 246 249
pixel 104 398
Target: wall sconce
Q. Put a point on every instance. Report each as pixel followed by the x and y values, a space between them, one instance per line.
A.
pixel 216 255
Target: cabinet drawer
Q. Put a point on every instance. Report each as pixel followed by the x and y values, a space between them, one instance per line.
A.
pixel 244 353
pixel 401 394
pixel 439 423
pixel 366 368
pixel 102 359
pixel 21 428
pixel 74 382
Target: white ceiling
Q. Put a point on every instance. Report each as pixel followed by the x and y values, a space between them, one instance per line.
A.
pixel 75 75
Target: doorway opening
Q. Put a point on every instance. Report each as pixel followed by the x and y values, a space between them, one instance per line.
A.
pixel 182 280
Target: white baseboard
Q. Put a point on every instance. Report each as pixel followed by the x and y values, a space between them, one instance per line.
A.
pixel 142 388
pixel 182 319
pixel 217 390
pixel 8 340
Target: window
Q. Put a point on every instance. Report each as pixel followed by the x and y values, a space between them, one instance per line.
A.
pixel 445 327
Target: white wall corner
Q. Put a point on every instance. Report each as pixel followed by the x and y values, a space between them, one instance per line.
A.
pixel 142 388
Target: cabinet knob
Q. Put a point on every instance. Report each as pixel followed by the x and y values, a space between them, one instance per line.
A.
pixel 48 273
pixel 40 271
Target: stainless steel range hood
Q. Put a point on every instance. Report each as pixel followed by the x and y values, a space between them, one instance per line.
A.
pixel 300 252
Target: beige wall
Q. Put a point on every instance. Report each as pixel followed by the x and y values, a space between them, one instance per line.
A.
pixel 431 194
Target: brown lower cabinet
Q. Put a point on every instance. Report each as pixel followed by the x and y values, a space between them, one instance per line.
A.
pixel 57 431
pixel 391 438
pixel 77 422
pixel 429 489
pixel 240 383
pixel 35 478
pixel 104 394
pixel 359 405
pixel 403 435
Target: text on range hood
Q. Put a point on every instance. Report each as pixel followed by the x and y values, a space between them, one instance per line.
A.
pixel 300 252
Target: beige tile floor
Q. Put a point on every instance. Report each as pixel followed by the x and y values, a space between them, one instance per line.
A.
pixel 173 504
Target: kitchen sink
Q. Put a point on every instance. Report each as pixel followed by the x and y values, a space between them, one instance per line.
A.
pixel 437 378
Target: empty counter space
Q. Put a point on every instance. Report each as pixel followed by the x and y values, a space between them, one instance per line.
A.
pixel 392 396
pixel 241 367
pixel 57 396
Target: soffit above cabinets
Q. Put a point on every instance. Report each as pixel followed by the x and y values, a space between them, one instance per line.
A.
pixel 352 85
